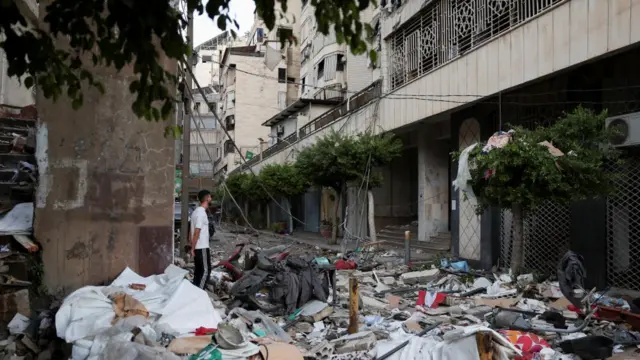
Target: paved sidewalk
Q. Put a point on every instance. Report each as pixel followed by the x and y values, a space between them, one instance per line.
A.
pixel 307 239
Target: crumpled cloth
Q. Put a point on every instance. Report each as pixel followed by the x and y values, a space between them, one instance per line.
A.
pixel 571 275
pixel 529 344
pixel 464 174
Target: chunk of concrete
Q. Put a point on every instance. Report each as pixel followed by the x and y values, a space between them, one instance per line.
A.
pixel 388 280
pixel 369 302
pixel 363 341
pixel 419 277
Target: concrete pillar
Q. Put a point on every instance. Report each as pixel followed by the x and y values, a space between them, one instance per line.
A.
pixel 105 196
pixel 433 186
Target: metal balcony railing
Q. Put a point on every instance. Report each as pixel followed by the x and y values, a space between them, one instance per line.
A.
pixel 447 29
pixel 354 103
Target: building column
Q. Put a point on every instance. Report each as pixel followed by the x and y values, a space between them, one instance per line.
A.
pixel 433 186
pixel 104 200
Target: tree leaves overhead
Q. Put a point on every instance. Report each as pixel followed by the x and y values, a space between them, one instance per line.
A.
pixel 524 173
pixel 122 33
pixel 283 180
pixel 337 159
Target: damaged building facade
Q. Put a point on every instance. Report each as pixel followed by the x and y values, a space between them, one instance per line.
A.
pixel 454 72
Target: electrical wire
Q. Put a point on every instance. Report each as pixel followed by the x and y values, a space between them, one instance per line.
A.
pixel 402 96
pixel 244 217
pixel 244 160
pixel 391 95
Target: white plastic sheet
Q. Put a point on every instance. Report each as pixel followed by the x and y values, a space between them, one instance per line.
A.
pixel 458 344
pixel 18 220
pixel 172 301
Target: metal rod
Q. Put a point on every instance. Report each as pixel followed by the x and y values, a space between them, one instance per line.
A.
pixel 354 302
pixel 407 247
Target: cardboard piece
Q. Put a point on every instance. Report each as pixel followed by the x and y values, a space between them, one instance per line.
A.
pixel 505 303
pixel 561 304
pixel 189 345
pixel 280 351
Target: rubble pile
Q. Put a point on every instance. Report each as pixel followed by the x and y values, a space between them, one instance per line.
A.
pixel 444 311
pixel 23 332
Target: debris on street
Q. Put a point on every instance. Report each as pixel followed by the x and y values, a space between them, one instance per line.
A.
pixel 283 303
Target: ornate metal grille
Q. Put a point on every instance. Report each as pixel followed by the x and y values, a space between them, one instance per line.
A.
pixel 449 28
pixel 546 237
pixel 469 223
pixel 623 228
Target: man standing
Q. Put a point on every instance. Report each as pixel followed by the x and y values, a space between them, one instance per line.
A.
pixel 200 240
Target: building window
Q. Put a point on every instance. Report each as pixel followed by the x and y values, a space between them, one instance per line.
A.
pixel 230 123
pixel 231 99
pixel 291 80
pixel 196 107
pixel 282 75
pixel 217 153
pixel 340 63
pixel 321 69
pixel 282 100
pixel 304 79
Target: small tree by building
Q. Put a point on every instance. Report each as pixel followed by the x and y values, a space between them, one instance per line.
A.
pixel 526 172
pixel 283 181
pixel 337 159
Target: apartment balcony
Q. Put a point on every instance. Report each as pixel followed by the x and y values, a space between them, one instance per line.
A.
pixel 454 52
pixel 331 83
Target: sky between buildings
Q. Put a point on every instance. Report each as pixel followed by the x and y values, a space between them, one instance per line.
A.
pixel 204 28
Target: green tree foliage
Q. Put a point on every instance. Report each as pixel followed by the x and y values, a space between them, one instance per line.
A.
pixel 283 180
pixel 253 190
pixel 235 183
pixel 524 174
pixel 372 151
pixel 120 32
pixel 337 159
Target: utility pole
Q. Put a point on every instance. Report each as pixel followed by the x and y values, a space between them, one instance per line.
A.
pixel 186 144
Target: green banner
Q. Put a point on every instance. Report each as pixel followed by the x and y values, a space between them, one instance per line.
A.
pixel 249 155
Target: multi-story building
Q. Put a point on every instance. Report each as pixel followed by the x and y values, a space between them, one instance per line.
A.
pixel 328 69
pixel 206 135
pixel 251 91
pixel 210 52
pixel 453 72
pixel 256 82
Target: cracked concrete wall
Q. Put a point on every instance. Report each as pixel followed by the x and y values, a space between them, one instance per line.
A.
pixel 105 195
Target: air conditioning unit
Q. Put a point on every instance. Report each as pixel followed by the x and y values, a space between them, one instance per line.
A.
pixel 627 128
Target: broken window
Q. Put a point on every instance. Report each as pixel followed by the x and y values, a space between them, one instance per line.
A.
pixel 321 69
pixel 340 65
